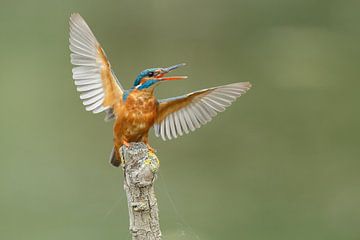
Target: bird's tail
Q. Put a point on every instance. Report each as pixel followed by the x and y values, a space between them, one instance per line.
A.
pixel 114 161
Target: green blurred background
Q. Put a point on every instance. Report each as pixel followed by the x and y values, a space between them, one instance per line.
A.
pixel 281 163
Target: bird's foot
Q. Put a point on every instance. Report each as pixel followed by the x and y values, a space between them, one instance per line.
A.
pixel 152 160
pixel 121 154
pixel 152 153
pixel 150 148
pixel 126 144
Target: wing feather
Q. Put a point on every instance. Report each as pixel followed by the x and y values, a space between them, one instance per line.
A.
pixel 90 94
pixel 93 106
pixel 86 81
pixel 167 128
pixel 94 99
pixel 193 115
pixel 198 114
pixel 92 73
pixel 188 119
pixel 183 122
pixel 188 112
pixel 172 125
pixel 157 130
pixel 177 124
pixel 162 130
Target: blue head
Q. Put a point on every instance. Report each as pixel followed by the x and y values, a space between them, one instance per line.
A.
pixel 149 78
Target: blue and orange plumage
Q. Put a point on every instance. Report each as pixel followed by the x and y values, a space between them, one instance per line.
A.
pixel 136 110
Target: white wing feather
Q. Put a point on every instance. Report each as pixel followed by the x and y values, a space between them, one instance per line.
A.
pixel 89 60
pixel 199 110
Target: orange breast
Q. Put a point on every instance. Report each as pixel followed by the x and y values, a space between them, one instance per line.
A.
pixel 135 116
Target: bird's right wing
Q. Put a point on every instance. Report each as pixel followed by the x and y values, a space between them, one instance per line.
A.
pixel 183 114
pixel 92 72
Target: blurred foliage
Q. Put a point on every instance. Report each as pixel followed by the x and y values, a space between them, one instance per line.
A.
pixel 281 163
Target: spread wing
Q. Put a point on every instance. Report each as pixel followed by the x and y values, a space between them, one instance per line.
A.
pixel 183 114
pixel 92 73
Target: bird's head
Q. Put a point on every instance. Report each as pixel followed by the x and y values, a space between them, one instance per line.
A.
pixel 151 77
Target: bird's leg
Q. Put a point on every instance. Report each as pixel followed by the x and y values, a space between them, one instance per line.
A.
pixel 150 148
pixel 116 159
pixel 118 145
pixel 146 141
pixel 126 143
pixel 151 154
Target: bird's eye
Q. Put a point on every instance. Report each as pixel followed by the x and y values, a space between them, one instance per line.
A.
pixel 151 74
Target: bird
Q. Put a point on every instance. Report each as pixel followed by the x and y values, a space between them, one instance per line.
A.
pixel 135 111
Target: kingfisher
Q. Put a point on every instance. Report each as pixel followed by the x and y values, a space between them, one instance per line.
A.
pixel 136 110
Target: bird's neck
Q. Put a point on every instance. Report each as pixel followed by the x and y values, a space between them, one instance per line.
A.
pixel 141 101
pixel 143 94
pixel 147 92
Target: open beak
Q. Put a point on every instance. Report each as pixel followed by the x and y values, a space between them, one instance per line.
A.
pixel 164 71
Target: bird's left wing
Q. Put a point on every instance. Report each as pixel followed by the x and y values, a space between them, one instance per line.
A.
pixel 92 73
pixel 183 114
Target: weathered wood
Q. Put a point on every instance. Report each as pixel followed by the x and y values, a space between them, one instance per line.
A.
pixel 140 168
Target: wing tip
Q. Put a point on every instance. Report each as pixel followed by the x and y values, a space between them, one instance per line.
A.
pixel 245 85
pixel 77 19
pixel 75 15
pixel 248 85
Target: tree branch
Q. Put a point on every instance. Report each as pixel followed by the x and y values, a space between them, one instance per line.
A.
pixel 140 167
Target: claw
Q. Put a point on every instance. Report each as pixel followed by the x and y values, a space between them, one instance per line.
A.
pixel 151 157
pixel 126 144
pixel 150 148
